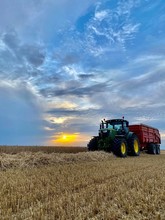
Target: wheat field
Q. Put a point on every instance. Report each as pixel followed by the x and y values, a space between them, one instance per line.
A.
pixel 83 185
pixel 45 149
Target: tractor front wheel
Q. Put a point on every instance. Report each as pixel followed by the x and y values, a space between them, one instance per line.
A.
pixel 120 147
pixel 93 144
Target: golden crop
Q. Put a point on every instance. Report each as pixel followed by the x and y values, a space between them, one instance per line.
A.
pixel 84 185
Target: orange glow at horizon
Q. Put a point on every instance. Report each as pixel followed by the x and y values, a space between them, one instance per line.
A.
pixel 68 139
pixel 65 139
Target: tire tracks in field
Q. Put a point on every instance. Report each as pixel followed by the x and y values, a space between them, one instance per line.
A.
pixel 102 181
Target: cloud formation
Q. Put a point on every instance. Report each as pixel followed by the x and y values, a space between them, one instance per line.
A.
pixel 84 61
pixel 20 116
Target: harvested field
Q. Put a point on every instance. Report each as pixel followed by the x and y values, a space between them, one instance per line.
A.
pixel 37 159
pixel 85 185
pixel 48 150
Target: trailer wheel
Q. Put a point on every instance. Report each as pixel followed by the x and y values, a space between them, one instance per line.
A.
pixel 152 148
pixel 93 144
pixel 120 147
pixel 157 149
pixel 134 145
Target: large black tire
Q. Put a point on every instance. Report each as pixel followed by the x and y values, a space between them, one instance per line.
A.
pixel 93 144
pixel 157 149
pixel 134 145
pixel 152 148
pixel 120 147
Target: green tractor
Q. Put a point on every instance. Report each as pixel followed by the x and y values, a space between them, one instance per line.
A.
pixel 114 136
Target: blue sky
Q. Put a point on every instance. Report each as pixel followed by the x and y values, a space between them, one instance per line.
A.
pixel 65 65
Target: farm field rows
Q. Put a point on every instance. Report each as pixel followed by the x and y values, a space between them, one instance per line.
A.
pixel 84 185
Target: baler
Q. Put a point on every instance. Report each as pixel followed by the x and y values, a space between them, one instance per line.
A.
pixel 117 136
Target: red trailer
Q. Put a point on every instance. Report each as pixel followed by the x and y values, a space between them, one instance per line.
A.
pixel 149 137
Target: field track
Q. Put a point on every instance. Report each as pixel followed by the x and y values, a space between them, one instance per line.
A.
pixel 83 185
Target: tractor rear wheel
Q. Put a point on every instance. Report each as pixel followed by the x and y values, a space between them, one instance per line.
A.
pixel 93 144
pixel 152 148
pixel 134 145
pixel 157 149
pixel 120 147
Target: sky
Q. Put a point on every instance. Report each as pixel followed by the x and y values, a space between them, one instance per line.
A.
pixel 65 65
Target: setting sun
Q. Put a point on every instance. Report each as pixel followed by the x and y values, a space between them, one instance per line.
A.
pixel 65 139
pixel 69 139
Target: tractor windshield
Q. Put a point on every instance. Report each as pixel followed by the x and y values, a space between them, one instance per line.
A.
pixel 118 125
pixel 105 125
pixel 114 124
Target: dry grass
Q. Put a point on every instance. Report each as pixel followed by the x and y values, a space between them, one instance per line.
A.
pixel 85 185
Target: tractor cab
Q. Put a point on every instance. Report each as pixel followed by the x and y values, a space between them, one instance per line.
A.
pixel 119 125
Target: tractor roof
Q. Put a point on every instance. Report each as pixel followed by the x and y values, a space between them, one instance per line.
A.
pixel 116 120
